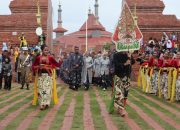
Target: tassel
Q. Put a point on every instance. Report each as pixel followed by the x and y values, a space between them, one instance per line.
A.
pixel 150 79
pixel 174 85
pixel 139 77
pixel 146 87
pixel 142 77
pixel 55 97
pixel 159 86
pixel 35 98
pixel 169 83
pixel 144 80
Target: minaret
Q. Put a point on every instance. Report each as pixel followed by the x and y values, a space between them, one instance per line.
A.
pixel 89 11
pixel 59 16
pixel 59 30
pixel 96 9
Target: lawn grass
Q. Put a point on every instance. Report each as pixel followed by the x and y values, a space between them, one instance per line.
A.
pixel 157 106
pixel 10 94
pixel 15 107
pixel 39 118
pixel 77 123
pixel 13 100
pixel 135 116
pixel 99 123
pixel 151 114
pixel 59 117
pixel 159 99
pixel 3 93
pixel 117 119
pixel 15 123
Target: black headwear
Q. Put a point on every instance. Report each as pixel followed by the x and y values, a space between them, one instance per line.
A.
pixel 43 46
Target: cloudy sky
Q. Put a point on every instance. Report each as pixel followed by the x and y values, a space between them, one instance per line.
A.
pixel 75 11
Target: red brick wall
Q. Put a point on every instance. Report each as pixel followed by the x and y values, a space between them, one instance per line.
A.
pixel 23 19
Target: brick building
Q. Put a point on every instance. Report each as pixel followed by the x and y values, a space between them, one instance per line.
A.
pixel 97 36
pixel 151 20
pixel 23 19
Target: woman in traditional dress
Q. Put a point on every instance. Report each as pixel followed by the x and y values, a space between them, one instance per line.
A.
pixel 44 67
pixel 176 87
pixel 154 80
pixel 164 76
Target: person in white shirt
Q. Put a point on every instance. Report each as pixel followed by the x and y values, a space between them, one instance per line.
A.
pixel 87 70
pixel 97 69
pixel 169 45
pixel 105 62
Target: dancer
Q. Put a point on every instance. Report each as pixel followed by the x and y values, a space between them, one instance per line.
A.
pixel 45 82
pixel 122 70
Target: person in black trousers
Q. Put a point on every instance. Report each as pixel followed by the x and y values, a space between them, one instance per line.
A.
pixel 7 70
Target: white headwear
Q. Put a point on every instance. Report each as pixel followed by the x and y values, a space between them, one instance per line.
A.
pixel 24 48
pixel 4 46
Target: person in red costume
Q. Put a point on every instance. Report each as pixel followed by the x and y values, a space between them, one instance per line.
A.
pixel 145 60
pixel 176 64
pixel 154 81
pixel 160 61
pixel 151 60
pixel 43 66
pixel 164 76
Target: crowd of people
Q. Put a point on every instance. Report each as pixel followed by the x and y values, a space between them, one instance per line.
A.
pixel 75 69
pixel 103 69
pixel 158 74
pixel 159 71
pixel 86 69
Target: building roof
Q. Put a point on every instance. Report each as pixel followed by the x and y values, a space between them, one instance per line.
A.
pixel 81 34
pixel 96 33
pixel 60 30
pixel 146 6
pixel 92 24
pixel 146 3
pixel 157 20
pixel 27 6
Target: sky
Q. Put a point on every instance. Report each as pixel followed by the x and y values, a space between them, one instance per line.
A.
pixel 74 12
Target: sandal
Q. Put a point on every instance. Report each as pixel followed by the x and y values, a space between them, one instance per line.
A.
pixel 122 112
pixel 47 106
pixel 42 107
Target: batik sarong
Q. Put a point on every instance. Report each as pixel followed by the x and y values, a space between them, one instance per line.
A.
pixel 122 86
pixel 177 93
pixel 154 83
pixel 164 85
pixel 26 75
pixel 75 78
pixel 45 89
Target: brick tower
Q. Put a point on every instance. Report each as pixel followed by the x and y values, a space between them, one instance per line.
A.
pixel 23 19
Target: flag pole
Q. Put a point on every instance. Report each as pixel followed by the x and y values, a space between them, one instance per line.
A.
pixel 86 36
pixel 87 26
